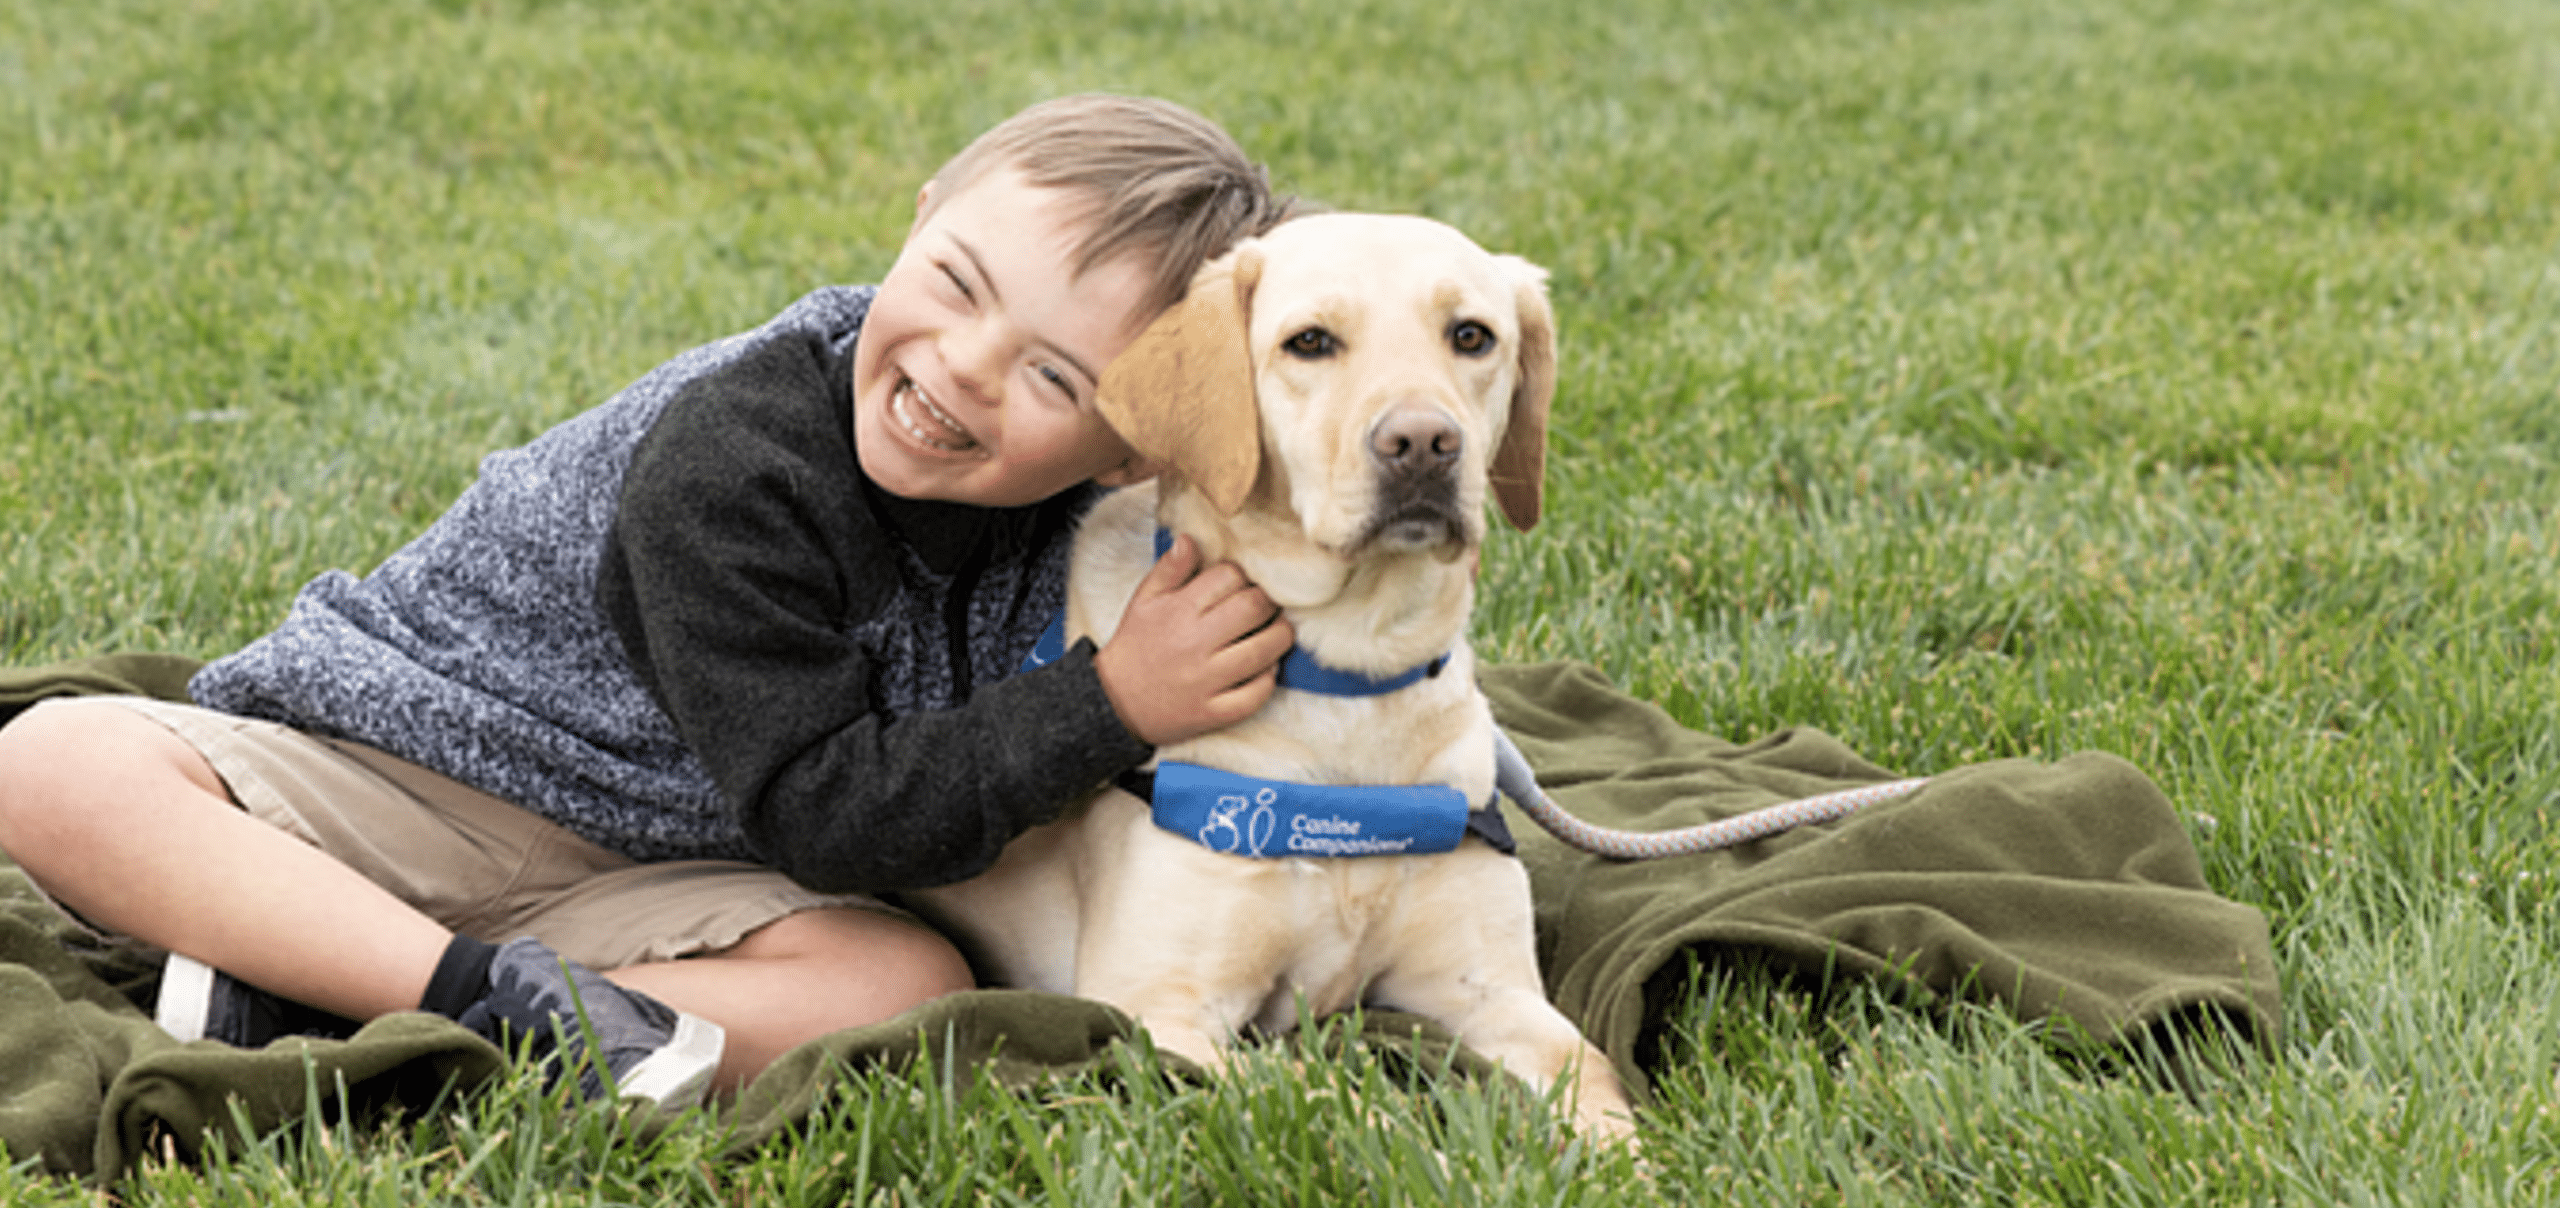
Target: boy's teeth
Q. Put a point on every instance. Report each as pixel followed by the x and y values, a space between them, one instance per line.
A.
pixel 915 412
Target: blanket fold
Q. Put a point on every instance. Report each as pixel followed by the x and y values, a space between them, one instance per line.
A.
pixel 2067 892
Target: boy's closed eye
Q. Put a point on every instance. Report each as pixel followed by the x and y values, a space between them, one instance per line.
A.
pixel 1058 381
pixel 958 283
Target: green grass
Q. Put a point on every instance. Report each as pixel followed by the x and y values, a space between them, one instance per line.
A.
pixel 1970 380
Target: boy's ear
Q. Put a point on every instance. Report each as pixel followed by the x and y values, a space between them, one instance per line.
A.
pixel 1519 468
pixel 1182 394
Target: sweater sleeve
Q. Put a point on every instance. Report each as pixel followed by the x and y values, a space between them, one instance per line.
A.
pixel 741 557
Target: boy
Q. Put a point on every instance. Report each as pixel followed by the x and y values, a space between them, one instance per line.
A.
pixel 669 689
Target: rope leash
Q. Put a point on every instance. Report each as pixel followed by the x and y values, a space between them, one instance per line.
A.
pixel 1511 774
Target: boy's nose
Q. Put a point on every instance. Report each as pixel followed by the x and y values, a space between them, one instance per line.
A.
pixel 976 357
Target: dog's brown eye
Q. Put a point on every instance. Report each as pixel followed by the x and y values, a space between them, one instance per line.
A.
pixel 1313 344
pixel 1470 338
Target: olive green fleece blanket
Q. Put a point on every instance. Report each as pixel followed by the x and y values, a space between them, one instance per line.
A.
pixel 2066 891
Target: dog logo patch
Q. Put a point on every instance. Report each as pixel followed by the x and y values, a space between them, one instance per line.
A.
pixel 1241 826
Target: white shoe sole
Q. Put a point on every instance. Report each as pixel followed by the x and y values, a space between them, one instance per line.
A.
pixel 679 1073
pixel 186 997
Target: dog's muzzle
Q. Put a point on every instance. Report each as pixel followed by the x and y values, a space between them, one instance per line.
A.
pixel 1416 452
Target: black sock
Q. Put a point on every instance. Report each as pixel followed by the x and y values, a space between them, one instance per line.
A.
pixel 461 977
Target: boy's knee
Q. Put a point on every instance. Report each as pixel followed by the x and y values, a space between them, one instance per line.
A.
pixel 20 730
pixel 52 736
pixel 919 960
pixel 928 965
pixel 893 957
pixel 69 764
pixel 38 749
pixel 35 767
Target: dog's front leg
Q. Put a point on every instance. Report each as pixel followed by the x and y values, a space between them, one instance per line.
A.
pixel 1178 1018
pixel 1463 955
pixel 1193 982
pixel 1174 934
pixel 1514 1026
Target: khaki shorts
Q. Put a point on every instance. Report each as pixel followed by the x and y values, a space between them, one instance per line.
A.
pixel 478 864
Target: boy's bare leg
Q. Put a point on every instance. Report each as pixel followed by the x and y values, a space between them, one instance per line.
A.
pixel 802 976
pixel 127 823
pixel 123 821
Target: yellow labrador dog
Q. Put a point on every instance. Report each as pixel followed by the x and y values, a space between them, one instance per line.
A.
pixel 1332 403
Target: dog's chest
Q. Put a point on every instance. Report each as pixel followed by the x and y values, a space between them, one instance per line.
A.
pixel 1333 921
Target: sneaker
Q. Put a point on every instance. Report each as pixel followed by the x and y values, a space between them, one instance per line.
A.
pixel 559 1008
pixel 200 1002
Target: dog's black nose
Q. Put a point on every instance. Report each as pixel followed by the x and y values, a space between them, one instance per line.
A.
pixel 1414 438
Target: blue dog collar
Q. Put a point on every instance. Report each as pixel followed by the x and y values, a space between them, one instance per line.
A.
pixel 1299 670
pixel 1279 819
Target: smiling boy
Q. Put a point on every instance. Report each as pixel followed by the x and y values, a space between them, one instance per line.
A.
pixel 672 688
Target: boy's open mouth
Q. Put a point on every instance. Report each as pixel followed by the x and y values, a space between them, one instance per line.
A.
pixel 931 426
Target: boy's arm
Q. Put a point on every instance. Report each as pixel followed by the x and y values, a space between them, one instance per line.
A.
pixel 737 564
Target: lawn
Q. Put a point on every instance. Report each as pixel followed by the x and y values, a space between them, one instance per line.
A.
pixel 1969 380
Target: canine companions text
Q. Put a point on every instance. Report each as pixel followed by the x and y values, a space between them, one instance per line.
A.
pixel 1332 403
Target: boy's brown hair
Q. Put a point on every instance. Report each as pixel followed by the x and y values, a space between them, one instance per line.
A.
pixel 1158 179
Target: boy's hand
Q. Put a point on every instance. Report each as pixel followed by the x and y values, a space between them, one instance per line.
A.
pixel 1196 650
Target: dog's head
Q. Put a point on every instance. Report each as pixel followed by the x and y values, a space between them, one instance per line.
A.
pixel 1370 374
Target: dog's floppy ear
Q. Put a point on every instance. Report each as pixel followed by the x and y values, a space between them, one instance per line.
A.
pixel 1182 393
pixel 1519 469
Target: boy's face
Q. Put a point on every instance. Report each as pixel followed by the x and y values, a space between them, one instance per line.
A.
pixel 974 376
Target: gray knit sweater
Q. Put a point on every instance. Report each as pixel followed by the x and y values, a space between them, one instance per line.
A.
pixel 684 625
